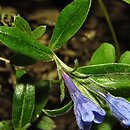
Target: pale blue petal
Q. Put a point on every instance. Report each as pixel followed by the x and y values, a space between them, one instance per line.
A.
pixel 87 125
pixel 120 108
pixel 83 125
pixel 98 118
pixel 86 113
pixel 69 83
pixel 95 108
pixel 85 110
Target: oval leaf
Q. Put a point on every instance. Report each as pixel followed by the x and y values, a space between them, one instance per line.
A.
pixel 69 22
pixel 23 43
pixel 60 111
pixel 104 54
pixel 22 24
pixel 23 103
pixel 115 77
pixel 38 32
pixel 125 58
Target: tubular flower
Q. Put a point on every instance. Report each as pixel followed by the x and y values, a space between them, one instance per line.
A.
pixel 85 110
pixel 120 108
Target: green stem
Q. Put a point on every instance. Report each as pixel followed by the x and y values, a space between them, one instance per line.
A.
pixel 63 66
pixel 111 27
pixel 59 70
pixel 68 69
pixel 55 81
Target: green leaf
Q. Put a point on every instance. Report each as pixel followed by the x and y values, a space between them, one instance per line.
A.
pixel 101 69
pixel 58 112
pixel 22 24
pixel 42 94
pixel 69 22
pixel 115 77
pixel 6 125
pixel 62 90
pixel 19 74
pixel 38 32
pixel 125 58
pixel 23 103
pixel 21 60
pixel 24 44
pixel 116 84
pixel 127 1
pixel 46 123
pixel 104 54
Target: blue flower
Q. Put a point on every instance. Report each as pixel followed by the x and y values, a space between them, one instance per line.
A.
pixel 85 110
pixel 120 108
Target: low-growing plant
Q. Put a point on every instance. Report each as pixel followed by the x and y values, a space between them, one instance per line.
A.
pixel 92 88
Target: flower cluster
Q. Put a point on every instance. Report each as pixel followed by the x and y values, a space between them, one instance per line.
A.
pixel 87 112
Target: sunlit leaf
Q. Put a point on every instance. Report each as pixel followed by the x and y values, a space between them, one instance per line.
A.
pixel 69 22
pixel 115 77
pixel 23 103
pixel 125 58
pixel 22 24
pixel 22 43
pixel 104 54
pixel 38 32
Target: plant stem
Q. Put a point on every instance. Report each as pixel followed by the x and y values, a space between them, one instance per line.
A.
pixel 61 64
pixel 68 69
pixel 62 88
pixel 5 60
pixel 110 27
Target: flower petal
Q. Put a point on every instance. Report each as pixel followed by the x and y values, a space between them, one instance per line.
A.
pixel 83 125
pixel 99 113
pixel 120 108
pixel 86 113
pixel 95 108
pixel 69 83
pixel 85 110
pixel 86 125
pixel 98 118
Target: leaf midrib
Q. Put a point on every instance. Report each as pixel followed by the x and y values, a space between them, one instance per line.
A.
pixel 33 47
pixel 23 106
pixel 66 27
